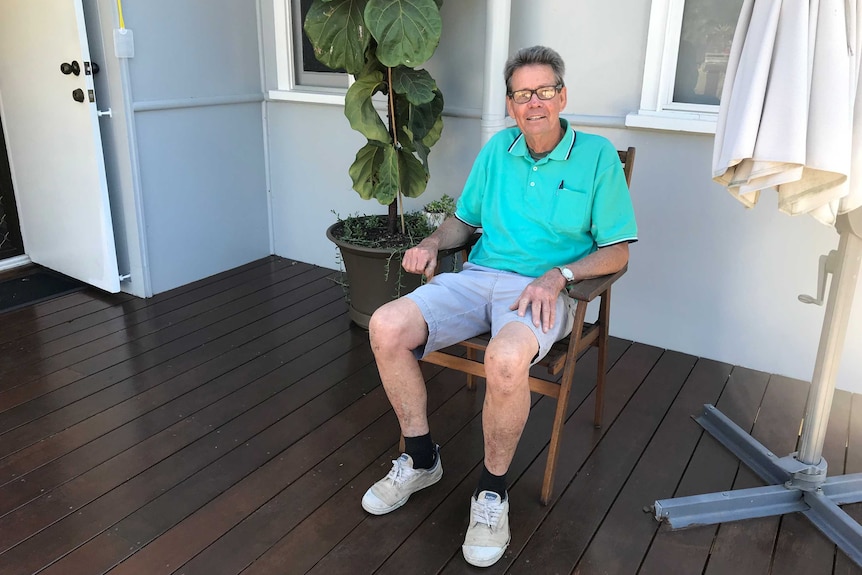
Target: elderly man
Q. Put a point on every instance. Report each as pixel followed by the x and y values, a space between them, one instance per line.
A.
pixel 554 209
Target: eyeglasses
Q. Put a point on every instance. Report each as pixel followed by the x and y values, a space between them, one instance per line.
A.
pixel 543 93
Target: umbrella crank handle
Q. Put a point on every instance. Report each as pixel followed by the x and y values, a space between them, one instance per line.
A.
pixel 828 265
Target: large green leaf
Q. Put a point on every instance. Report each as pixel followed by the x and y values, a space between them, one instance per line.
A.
pixel 423 145
pixel 407 31
pixel 337 33
pixel 359 108
pixel 375 173
pixel 413 176
pixel 386 189
pixel 364 169
pixel 425 117
pixel 417 85
pixel 433 135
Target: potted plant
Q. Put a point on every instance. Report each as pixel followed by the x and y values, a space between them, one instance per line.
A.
pixel 437 211
pixel 382 43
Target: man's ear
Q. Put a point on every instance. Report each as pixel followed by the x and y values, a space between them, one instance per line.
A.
pixel 563 98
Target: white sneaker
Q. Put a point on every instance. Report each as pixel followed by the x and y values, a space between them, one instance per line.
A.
pixel 400 483
pixel 488 534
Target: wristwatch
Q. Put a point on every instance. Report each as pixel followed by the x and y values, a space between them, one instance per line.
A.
pixel 567 273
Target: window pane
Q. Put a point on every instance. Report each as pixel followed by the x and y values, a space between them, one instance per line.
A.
pixel 704 46
pixel 309 71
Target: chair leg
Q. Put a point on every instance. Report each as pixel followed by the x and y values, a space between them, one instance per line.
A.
pixel 562 404
pixel 471 379
pixel 554 447
pixel 602 344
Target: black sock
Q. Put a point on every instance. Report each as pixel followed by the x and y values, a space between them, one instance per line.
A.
pixel 421 449
pixel 491 482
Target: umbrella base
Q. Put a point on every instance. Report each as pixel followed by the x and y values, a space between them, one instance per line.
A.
pixel 815 496
pixel 798 482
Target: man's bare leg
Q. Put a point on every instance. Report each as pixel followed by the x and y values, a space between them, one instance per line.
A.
pixel 396 329
pixel 507 395
pixel 504 414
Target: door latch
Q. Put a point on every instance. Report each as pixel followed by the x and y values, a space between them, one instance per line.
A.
pixel 78 95
pixel 73 68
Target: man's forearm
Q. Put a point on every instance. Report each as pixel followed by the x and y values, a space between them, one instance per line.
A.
pixel 601 262
pixel 451 233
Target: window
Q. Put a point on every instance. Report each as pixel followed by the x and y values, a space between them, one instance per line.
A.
pixel 299 75
pixel 686 58
pixel 308 71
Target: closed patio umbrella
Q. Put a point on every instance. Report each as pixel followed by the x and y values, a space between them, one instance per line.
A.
pixel 791 120
pixel 787 109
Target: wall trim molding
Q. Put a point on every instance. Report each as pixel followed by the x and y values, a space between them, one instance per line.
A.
pixel 174 104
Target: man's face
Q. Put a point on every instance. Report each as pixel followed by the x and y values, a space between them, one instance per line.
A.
pixel 537 118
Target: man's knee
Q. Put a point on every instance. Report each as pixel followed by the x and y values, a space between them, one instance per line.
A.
pixel 507 364
pixel 396 324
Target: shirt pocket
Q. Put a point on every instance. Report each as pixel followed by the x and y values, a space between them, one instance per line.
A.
pixel 571 210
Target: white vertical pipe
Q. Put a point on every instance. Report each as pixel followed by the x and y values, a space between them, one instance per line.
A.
pixel 499 13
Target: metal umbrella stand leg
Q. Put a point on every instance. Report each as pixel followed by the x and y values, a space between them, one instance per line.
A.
pixel 798 482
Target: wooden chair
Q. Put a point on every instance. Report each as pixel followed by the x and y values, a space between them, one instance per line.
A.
pixel 563 355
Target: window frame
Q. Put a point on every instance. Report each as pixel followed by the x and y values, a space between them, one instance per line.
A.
pixel 285 64
pixel 657 108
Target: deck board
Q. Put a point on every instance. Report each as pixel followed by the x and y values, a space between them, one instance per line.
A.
pixel 231 426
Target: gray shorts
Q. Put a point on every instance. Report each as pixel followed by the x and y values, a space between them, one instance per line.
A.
pixel 458 306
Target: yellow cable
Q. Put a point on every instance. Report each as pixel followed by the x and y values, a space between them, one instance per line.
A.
pixel 120 9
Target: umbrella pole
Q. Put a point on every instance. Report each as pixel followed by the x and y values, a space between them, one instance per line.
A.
pixel 835 323
pixel 797 481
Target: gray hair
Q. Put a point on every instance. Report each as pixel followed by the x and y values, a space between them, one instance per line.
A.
pixel 534 55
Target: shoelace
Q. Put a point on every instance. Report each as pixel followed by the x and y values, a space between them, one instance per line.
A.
pixel 487 513
pixel 399 472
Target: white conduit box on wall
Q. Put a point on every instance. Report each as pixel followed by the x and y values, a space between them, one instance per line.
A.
pixel 124 39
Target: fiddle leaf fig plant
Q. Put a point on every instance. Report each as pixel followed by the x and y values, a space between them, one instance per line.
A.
pixel 381 43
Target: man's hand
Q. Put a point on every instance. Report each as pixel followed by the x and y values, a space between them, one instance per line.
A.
pixel 421 259
pixel 541 297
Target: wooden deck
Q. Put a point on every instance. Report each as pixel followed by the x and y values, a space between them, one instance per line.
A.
pixel 232 425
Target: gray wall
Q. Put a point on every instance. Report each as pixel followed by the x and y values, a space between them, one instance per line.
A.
pixel 707 277
pixel 195 93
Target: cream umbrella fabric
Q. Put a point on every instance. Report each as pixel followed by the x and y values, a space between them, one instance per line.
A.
pixel 787 118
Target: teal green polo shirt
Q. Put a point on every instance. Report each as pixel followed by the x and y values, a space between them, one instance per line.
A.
pixel 545 213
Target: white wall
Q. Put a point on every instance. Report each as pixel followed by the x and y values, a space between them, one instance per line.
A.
pixel 196 93
pixel 715 279
pixel 707 277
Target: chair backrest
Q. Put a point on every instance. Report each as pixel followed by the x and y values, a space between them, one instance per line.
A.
pixel 627 157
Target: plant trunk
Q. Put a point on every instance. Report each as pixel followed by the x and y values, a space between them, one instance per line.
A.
pixel 392 218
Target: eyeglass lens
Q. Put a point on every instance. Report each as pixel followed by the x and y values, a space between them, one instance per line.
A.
pixel 543 93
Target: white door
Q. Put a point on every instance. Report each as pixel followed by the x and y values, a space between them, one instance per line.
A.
pixel 53 140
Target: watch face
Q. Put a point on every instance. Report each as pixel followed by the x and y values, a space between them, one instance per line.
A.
pixel 567 273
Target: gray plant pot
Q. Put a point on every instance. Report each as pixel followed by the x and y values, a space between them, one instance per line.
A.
pixel 374 276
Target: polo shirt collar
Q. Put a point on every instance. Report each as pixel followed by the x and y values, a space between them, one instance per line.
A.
pixel 562 151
